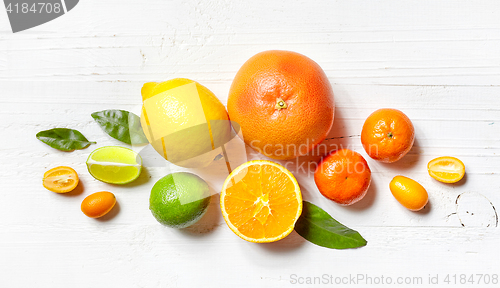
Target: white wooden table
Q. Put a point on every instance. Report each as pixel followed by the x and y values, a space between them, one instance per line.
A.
pixel 437 61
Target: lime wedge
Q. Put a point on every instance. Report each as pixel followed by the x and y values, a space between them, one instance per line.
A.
pixel 114 164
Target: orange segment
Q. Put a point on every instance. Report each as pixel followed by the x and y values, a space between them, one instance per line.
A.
pixel 282 213
pixel 254 228
pixel 446 169
pixel 271 227
pixel 261 201
pixel 61 179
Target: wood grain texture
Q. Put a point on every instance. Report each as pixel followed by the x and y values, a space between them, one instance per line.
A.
pixel 437 61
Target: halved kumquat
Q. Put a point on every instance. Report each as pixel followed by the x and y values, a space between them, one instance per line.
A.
pixel 446 169
pixel 60 179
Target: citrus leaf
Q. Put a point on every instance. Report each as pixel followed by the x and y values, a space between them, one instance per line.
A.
pixel 316 226
pixel 64 139
pixel 122 125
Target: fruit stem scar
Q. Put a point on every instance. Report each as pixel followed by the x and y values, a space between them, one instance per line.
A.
pixel 280 104
pixel 389 135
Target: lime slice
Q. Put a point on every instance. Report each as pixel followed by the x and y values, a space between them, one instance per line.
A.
pixel 114 164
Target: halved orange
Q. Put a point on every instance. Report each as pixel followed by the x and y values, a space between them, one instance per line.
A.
pixel 61 179
pixel 261 201
pixel 446 169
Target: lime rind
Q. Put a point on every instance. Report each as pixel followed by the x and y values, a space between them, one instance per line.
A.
pixel 179 199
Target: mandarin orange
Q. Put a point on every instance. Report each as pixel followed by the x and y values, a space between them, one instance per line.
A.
pixel 387 135
pixel 343 176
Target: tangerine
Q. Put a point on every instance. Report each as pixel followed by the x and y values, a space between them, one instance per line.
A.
pixel 343 176
pixel 387 135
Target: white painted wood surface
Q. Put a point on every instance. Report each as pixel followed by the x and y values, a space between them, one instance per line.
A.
pixel 438 61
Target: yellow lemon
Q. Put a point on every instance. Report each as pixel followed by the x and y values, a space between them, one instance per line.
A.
pixel 184 122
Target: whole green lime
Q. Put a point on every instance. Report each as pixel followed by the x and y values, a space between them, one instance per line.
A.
pixel 179 200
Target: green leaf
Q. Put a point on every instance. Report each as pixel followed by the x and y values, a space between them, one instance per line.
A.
pixel 64 139
pixel 316 226
pixel 122 125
